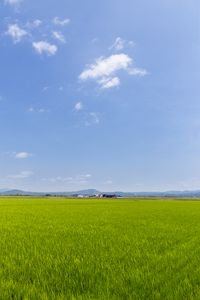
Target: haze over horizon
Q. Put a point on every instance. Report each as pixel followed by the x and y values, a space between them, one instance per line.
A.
pixel 99 95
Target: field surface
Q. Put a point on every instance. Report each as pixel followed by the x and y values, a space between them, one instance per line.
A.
pixel 99 249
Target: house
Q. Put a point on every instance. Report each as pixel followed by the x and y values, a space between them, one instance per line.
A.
pixel 108 196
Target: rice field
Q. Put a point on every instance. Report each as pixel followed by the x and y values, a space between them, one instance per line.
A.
pixel 99 249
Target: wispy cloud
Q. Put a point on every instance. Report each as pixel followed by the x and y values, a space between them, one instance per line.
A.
pixel 61 22
pixel 138 72
pixel 23 155
pixel 95 117
pixel 21 175
pixel 16 155
pixel 104 70
pixel 119 44
pixel 107 83
pixel 13 2
pixel 43 47
pixel 60 179
pixel 34 24
pixel 37 23
pixel 86 118
pixel 108 182
pixel 78 106
pixel 45 88
pixel 16 33
pixel 37 110
pixel 92 118
pixel 61 88
pixel 59 36
pixel 73 180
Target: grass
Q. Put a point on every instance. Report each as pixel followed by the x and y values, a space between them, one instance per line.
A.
pixel 99 249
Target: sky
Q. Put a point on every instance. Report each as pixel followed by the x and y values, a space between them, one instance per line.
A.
pixel 100 94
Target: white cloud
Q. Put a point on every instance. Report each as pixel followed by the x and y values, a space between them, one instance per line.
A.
pixel 16 33
pixel 45 47
pixel 37 23
pixel 107 83
pixel 21 175
pixel 104 70
pixel 13 2
pixel 61 22
pixel 59 36
pixel 22 155
pixel 78 106
pixel 88 175
pixel 105 67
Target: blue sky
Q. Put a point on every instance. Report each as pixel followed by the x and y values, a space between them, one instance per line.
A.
pixel 100 94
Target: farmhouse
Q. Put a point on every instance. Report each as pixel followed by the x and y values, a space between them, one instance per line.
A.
pixel 107 196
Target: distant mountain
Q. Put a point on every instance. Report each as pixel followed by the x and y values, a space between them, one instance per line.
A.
pixel 16 192
pixel 185 194
pixel 3 190
pixel 92 192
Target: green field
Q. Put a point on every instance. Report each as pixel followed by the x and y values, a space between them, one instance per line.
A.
pixel 99 249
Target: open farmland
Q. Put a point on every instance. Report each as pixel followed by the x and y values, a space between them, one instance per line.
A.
pixel 99 249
